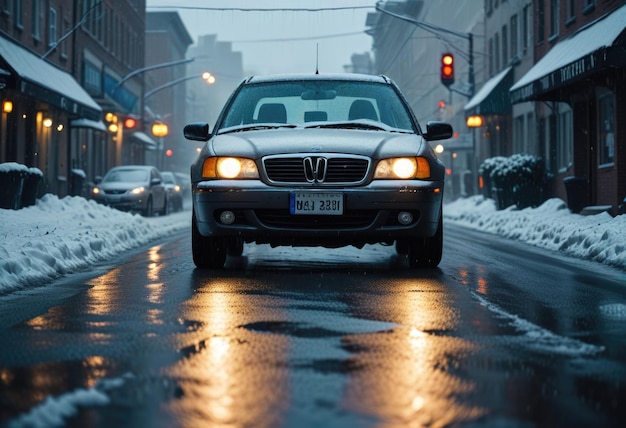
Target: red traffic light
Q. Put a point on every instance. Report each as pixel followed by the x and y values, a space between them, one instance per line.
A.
pixel 447 69
pixel 130 122
pixel 169 153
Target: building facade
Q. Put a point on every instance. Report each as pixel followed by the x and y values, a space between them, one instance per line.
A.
pixel 63 65
pixel 578 84
pixel 409 39
pixel 165 99
pixel 546 77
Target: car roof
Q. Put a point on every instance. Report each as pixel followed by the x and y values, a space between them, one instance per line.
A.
pixel 133 167
pixel 354 77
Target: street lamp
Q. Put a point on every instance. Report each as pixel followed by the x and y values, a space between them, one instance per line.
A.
pixel 206 76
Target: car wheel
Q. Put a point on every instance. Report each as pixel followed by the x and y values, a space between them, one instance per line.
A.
pixel 208 253
pixel 165 209
pixel 235 247
pixel 426 252
pixel 148 212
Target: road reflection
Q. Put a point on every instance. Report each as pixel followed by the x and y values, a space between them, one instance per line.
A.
pixel 229 375
pixel 412 373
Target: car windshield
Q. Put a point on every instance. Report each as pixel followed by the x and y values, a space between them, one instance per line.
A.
pixel 134 175
pixel 168 178
pixel 309 103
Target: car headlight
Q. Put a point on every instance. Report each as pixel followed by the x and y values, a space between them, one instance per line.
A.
pixel 95 191
pixel 403 168
pixel 229 167
pixel 138 190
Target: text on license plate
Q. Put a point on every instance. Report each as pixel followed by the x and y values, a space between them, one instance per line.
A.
pixel 316 203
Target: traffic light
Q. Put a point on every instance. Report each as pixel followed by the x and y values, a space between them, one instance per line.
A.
pixel 131 122
pixel 447 69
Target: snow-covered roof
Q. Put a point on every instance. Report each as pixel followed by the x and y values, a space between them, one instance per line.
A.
pixel 41 73
pixel 599 34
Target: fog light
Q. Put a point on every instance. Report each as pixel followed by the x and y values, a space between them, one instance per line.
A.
pixel 227 217
pixel 405 217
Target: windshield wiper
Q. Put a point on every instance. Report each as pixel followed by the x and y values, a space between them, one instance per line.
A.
pixel 350 125
pixel 255 127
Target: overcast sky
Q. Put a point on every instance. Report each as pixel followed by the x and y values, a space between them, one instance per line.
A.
pixel 281 41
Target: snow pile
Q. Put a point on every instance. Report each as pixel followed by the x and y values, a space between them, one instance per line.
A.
pixel 601 237
pixel 58 236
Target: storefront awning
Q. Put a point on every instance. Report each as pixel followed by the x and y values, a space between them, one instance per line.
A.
pixel 41 80
pixel 143 138
pixel 87 123
pixel 589 50
pixel 493 96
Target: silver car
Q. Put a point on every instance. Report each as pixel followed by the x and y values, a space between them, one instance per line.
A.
pixel 132 188
pixel 317 160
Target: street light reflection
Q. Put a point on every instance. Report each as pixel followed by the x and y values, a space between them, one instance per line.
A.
pixel 414 376
pixel 222 361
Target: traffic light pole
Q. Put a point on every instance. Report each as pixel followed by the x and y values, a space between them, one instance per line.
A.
pixel 433 29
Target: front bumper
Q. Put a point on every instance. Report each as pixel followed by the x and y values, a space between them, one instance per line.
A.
pixel 123 202
pixel 370 212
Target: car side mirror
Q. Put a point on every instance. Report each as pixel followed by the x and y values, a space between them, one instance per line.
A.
pixel 155 181
pixel 197 131
pixel 97 179
pixel 438 131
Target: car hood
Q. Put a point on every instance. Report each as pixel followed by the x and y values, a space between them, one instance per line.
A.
pixel 121 185
pixel 374 144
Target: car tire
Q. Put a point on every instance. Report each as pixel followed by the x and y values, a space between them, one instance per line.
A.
pixel 235 247
pixel 427 252
pixel 208 252
pixel 165 209
pixel 149 209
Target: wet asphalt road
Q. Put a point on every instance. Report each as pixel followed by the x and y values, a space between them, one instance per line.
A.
pixel 501 334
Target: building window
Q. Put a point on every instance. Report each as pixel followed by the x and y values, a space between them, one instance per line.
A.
pixel 491 71
pixel 52 27
pixel 5 6
pixel 571 11
pixel 514 36
pixel 17 14
pixel 496 52
pixel 565 138
pixel 66 30
pixel 541 23
pixel 519 142
pixel 505 46
pixel 589 5
pixel 37 19
pixel 606 122
pixel 554 18
pixel 531 131
pixel 525 28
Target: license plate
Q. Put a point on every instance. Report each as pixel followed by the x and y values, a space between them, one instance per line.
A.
pixel 316 203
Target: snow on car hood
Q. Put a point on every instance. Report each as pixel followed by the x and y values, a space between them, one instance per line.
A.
pixel 374 144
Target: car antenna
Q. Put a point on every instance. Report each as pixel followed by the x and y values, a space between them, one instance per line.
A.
pixel 317 58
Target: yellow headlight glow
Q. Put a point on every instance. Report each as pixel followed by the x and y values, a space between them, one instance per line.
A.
pixel 137 190
pixel 229 168
pixel 403 168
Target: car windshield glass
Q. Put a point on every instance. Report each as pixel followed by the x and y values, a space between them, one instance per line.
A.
pixel 168 178
pixel 126 176
pixel 307 102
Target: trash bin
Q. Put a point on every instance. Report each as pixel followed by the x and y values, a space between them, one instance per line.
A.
pixel 32 179
pixel 577 193
pixel 77 180
pixel 11 182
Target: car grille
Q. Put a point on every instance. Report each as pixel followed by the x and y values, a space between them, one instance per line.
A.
pixel 115 192
pixel 330 170
pixel 283 219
